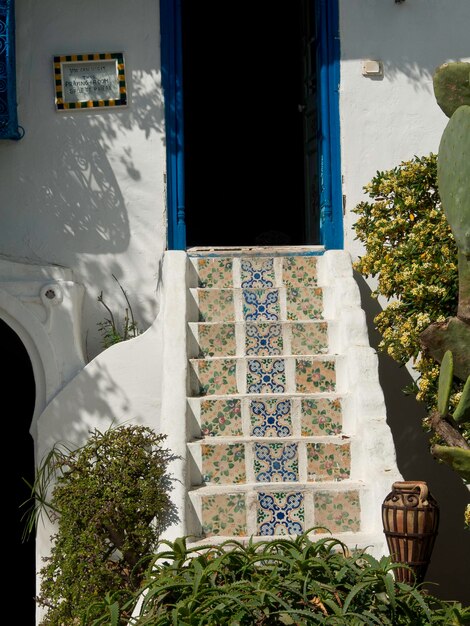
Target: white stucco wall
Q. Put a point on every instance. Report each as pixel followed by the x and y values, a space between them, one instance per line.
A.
pixel 390 119
pixel 85 189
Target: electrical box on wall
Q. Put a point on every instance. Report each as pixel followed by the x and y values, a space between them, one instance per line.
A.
pixel 371 67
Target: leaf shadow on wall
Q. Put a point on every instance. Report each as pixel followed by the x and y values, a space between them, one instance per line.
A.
pixel 450 562
pixel 79 195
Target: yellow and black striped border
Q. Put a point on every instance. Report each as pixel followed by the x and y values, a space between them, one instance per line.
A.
pixel 91 104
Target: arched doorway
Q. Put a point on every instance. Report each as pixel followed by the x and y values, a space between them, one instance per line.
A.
pixel 18 466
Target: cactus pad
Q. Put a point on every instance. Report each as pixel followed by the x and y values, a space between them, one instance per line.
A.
pixel 452 86
pixel 462 412
pixel 453 176
pixel 446 376
pixel 457 458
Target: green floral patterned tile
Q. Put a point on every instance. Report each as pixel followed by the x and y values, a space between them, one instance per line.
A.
pixel 328 461
pixel 217 376
pixel 224 514
pixel 338 511
pixel 217 339
pixel 321 416
pixel 215 272
pixel 257 272
pixel 223 463
pixel 304 304
pixel 313 376
pixel 309 338
pixel 221 418
pixel 299 271
pixel 216 305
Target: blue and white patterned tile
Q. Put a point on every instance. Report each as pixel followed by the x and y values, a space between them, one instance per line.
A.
pixel 276 462
pixel 261 305
pixel 263 339
pixel 257 272
pixel 271 418
pixel 280 513
pixel 266 376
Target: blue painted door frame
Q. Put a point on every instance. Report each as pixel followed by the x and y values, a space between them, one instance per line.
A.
pixel 9 128
pixel 331 204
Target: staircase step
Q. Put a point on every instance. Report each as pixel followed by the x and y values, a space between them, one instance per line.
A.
pixel 258 338
pixel 293 460
pixel 268 416
pixel 271 510
pixel 293 303
pixel 255 271
pixel 240 375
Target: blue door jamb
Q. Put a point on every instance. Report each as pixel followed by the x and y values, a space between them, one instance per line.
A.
pixel 172 82
pixel 9 128
pixel 331 199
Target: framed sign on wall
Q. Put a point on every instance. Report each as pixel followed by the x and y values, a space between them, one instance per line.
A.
pixel 87 81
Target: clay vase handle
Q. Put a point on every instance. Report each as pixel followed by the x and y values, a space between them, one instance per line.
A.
pixel 414 484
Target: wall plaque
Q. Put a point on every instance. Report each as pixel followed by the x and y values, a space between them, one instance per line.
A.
pixel 84 81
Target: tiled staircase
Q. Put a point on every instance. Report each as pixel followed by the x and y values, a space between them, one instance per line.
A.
pixel 275 446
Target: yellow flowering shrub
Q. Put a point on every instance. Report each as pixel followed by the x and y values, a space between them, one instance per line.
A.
pixel 410 249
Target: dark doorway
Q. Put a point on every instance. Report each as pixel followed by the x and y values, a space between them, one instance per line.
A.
pixel 18 463
pixel 243 117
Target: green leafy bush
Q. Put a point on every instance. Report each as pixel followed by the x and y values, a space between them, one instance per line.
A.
pixel 410 249
pixel 274 582
pixel 110 501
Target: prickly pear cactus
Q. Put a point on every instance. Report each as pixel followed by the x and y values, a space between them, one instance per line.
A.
pixel 453 176
pixel 452 90
pixel 457 455
pixel 446 376
pixel 457 458
pixel 449 342
pixel 452 86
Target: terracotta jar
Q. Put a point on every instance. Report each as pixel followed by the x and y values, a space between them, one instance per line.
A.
pixel 410 517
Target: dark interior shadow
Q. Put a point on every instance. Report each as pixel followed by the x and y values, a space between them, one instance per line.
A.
pixel 18 467
pixel 449 570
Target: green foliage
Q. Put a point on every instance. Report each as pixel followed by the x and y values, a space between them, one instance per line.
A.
pixel 279 581
pixel 111 500
pixel 114 331
pixel 411 250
